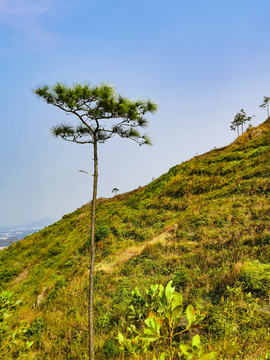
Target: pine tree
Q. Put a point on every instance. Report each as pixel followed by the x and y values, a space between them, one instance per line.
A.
pixel 265 104
pixel 101 114
pixel 239 120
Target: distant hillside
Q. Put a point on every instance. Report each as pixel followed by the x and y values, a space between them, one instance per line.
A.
pixel 204 224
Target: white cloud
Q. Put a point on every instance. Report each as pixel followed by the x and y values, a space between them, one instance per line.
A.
pixel 26 18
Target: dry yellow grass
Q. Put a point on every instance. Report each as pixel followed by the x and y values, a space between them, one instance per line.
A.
pixel 123 256
pixel 22 276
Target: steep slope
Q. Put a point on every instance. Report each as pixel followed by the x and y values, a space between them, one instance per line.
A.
pixel 204 224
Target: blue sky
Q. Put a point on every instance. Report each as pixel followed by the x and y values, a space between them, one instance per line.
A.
pixel 200 60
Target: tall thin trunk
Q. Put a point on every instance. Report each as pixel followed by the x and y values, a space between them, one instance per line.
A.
pixel 92 260
pixel 267 109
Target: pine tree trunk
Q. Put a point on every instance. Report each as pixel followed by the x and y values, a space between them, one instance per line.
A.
pixel 92 260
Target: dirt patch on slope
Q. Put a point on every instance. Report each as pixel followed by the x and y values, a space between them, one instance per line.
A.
pixel 123 256
pixel 23 275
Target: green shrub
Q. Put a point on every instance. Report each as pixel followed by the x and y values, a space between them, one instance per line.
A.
pixel 103 322
pixel 101 232
pixel 110 351
pixel 181 278
pixel 255 277
pixel 54 249
pixel 8 274
pixel 37 327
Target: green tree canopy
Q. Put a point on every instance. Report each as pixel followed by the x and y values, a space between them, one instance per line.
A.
pixel 102 113
pixel 115 190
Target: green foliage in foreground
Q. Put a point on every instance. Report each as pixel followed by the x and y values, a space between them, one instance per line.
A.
pixel 162 328
pixel 204 225
pixel 13 340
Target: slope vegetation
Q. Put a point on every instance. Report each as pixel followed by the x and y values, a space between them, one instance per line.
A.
pixel 204 224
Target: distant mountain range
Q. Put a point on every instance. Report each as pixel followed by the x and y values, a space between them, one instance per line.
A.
pixel 11 234
pixel 39 223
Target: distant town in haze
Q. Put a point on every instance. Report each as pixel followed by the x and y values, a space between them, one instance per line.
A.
pixel 12 234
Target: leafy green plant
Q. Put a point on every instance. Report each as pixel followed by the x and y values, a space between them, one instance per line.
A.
pixel 194 351
pixel 141 305
pixel 164 326
pixel 13 340
pixel 7 304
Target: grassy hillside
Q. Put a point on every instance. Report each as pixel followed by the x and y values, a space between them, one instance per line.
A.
pixel 204 224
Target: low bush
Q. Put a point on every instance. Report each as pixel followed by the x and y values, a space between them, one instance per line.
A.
pixel 181 278
pixel 255 277
pixel 36 328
